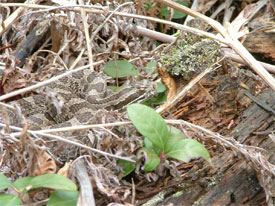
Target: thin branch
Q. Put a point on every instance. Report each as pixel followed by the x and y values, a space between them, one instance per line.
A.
pixel 87 36
pixel 55 137
pixel 13 17
pixel 108 18
pixel 169 104
pixel 84 127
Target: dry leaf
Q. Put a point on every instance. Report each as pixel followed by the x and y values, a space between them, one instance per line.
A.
pixel 45 164
pixel 65 169
pixel 169 82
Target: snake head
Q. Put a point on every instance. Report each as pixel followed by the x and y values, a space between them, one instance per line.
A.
pixel 146 87
pixel 143 90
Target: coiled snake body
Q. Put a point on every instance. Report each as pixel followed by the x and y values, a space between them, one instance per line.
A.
pixel 73 99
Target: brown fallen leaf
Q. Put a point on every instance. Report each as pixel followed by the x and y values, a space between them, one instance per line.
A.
pixel 45 164
pixel 65 169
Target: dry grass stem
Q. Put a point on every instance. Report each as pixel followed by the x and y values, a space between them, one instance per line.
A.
pixel 83 127
pixel 55 137
pixel 171 103
pixel 108 18
pixel 7 105
pixel 172 24
pixel 77 59
pixel 87 35
pixel 13 17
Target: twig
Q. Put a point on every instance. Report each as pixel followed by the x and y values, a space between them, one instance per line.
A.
pixel 47 8
pixel 57 55
pixel 40 84
pixel 224 6
pixel 107 19
pixel 230 142
pixel 87 36
pixel 77 59
pixel 55 137
pixel 169 39
pixel 237 58
pixel 7 105
pixel 169 104
pixel 228 12
pixel 133 192
pixel 86 196
pixel 193 7
pixel 84 127
pixel 172 24
pixel 13 17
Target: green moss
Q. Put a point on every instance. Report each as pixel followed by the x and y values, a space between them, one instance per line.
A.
pixel 156 199
pixel 198 201
pixel 178 194
pixel 190 56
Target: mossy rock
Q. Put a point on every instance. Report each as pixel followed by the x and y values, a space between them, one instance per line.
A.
pixel 190 56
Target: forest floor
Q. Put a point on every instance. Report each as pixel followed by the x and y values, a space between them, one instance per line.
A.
pixel 210 88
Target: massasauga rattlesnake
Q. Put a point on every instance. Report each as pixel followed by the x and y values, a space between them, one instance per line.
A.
pixel 73 100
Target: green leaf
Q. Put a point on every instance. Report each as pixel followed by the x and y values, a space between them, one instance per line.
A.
pixel 9 200
pixel 187 149
pixel 164 11
pixel 160 87
pixel 161 95
pixel 152 160
pixel 120 68
pixel 52 181
pixel 148 144
pixel 148 6
pixel 128 167
pixel 179 14
pixel 157 43
pixel 175 135
pixel 158 100
pixel 149 123
pixel 114 88
pixel 63 198
pixel 151 66
pixel 22 183
pixel 4 182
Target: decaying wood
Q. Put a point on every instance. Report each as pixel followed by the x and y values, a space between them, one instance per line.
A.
pixel 27 46
pixel 261 43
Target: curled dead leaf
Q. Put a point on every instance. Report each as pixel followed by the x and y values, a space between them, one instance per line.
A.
pixel 65 169
pixel 45 164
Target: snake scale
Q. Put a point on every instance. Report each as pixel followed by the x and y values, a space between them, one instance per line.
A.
pixel 73 99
